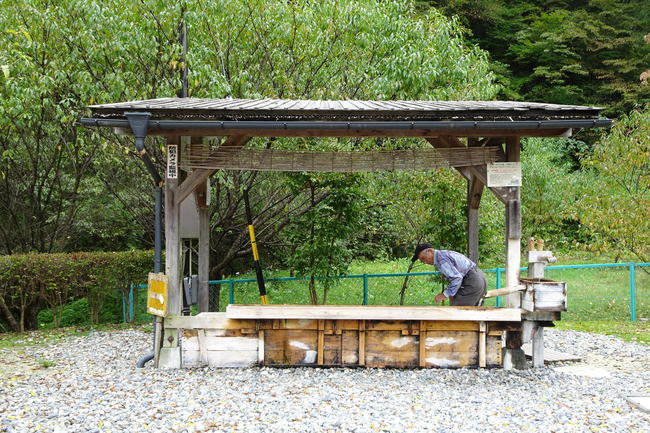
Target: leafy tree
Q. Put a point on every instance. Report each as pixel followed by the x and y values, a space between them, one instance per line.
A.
pixel 113 51
pixel 567 51
pixel 617 208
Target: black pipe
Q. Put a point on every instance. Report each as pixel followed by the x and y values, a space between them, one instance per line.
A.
pixel 256 255
pixel 157 242
pixel 345 126
pixel 138 123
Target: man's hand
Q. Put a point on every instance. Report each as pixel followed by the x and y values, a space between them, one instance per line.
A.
pixel 440 297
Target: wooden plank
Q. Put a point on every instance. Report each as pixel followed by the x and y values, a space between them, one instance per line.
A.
pixel 494 346
pixel 451 341
pixel 207 321
pixel 350 347
pixel 239 358
pixel 203 349
pixel 422 340
pixel 362 342
pixel 290 347
pixel 351 312
pixel 290 324
pixel 450 325
pixel 321 342
pixel 260 346
pixel 332 345
pixel 482 340
pixel 391 349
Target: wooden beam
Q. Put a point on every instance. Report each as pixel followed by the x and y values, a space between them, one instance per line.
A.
pixel 559 132
pixel 477 171
pixel 199 176
pixel 339 161
pixel 474 192
pixel 353 312
pixel 503 194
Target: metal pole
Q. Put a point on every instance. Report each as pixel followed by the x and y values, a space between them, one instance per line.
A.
pixel 498 284
pixel 157 261
pixel 131 303
pixel 632 294
pixel 365 289
pixel 231 292
pixel 123 308
pixel 256 255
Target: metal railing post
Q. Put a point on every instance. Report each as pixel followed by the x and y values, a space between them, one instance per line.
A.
pixel 231 292
pixel 632 294
pixel 123 308
pixel 131 310
pixel 365 290
pixel 498 284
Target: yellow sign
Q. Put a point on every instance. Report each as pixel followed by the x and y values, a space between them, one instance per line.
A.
pixel 157 295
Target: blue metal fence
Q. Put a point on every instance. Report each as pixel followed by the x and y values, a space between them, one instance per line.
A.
pixel 606 289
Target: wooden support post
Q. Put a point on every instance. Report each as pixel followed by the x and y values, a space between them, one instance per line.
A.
pixel 362 342
pixel 482 343
pixel 474 192
pixel 260 346
pixel 202 203
pixel 538 347
pixel 170 355
pixel 202 200
pixel 204 259
pixel 203 349
pixel 423 344
pixel 513 356
pixel 321 342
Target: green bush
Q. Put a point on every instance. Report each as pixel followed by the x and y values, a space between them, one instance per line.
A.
pixel 89 282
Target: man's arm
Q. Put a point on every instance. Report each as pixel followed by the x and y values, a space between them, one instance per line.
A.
pixel 455 278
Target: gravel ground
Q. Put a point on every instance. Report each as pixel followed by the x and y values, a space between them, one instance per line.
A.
pixel 94 386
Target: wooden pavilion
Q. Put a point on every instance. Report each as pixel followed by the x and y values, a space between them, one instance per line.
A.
pixel 470 136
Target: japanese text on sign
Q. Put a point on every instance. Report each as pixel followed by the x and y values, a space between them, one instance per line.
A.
pixel 172 161
pixel 504 174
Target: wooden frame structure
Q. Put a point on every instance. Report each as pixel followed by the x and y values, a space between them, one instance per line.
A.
pixel 466 135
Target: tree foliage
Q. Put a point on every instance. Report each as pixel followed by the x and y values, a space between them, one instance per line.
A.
pixel 617 207
pixel 568 51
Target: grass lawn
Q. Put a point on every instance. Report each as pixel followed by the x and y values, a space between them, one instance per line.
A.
pixel 601 294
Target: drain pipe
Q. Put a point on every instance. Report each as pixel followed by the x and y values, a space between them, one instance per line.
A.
pixel 139 123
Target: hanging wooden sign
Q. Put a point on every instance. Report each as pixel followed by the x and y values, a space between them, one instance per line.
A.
pixel 172 161
pixel 503 174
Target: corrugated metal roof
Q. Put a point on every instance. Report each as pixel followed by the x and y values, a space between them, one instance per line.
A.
pixel 289 109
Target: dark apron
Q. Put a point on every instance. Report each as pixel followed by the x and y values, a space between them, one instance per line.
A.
pixel 471 290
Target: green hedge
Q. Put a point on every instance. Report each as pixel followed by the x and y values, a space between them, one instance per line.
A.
pixel 30 283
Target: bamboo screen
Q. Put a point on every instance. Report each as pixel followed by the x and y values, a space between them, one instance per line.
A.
pixel 201 156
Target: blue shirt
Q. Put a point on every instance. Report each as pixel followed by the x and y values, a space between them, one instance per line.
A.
pixel 453 266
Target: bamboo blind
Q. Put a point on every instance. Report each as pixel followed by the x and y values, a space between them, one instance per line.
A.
pixel 201 156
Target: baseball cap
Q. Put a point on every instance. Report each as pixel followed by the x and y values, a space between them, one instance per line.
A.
pixel 419 249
